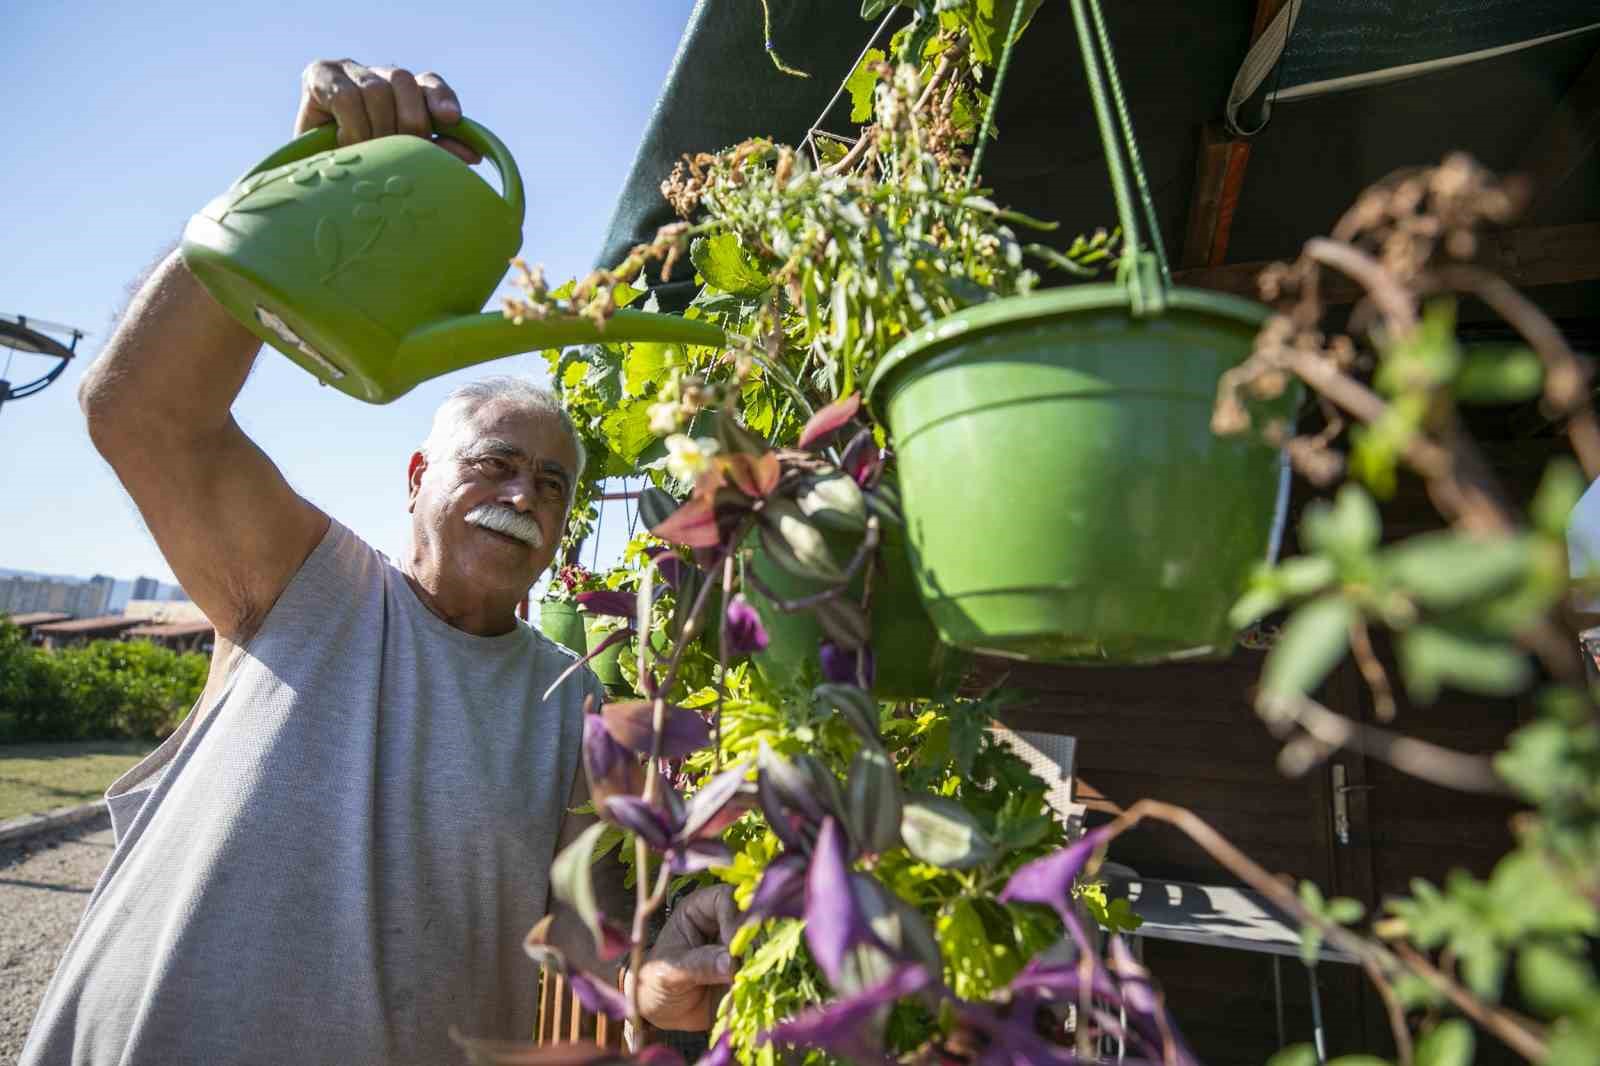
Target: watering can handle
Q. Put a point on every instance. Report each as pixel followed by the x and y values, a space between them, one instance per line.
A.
pixel 466 131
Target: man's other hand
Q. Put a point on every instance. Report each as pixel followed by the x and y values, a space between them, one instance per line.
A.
pixel 370 102
pixel 689 968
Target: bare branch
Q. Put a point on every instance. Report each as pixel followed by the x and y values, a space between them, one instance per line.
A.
pixel 1419 758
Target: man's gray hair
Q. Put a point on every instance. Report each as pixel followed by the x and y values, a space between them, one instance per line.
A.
pixel 534 399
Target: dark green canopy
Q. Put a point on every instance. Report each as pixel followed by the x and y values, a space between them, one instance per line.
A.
pixel 1179 60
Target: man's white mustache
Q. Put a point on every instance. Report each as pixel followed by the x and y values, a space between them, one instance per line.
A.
pixel 511 522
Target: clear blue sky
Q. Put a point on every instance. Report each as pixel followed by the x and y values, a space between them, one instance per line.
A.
pixel 129 117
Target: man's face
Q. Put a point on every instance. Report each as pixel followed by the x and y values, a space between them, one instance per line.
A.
pixel 502 480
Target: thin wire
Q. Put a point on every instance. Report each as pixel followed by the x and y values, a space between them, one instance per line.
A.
pixel 893 10
pixel 772 51
pixel 631 512
pixel 11 354
pixel 1130 144
pixel 994 93
pixel 1108 139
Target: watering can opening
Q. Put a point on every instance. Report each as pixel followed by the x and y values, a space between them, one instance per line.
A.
pixel 369 265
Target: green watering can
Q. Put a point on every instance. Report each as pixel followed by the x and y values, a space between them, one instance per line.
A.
pixel 369 266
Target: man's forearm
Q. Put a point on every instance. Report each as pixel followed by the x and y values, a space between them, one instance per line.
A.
pixel 175 363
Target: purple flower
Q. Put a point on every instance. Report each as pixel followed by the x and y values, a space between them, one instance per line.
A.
pixel 1049 880
pixel 668 564
pixel 632 724
pixel 609 767
pixel 782 891
pixel 719 1054
pixel 861 459
pixel 849 1027
pixel 836 920
pixel 597 997
pixel 746 634
pixel 609 602
pixel 788 801
pixel 686 832
pixel 840 666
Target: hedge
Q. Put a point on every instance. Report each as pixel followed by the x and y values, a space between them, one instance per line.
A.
pixel 102 689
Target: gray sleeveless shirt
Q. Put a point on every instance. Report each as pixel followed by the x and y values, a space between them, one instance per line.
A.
pixel 338 859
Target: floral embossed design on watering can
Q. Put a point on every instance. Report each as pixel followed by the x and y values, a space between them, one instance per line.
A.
pixel 369 265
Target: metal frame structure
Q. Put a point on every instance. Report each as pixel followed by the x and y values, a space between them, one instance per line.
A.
pixel 22 334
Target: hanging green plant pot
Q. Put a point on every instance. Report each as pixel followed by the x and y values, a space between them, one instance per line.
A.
pixel 911 661
pixel 604 665
pixel 1065 499
pixel 561 622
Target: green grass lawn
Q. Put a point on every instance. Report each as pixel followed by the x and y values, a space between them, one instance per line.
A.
pixel 41 777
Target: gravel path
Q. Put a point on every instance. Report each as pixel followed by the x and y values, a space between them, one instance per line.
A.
pixel 44 884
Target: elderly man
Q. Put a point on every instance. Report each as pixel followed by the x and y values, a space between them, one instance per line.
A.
pixel 336 857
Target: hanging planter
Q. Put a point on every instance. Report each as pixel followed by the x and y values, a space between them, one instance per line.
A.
pixel 1113 525
pixel 911 662
pixel 559 620
pixel 604 665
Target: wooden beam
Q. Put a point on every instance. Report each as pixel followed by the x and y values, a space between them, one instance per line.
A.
pixel 1569 133
pixel 1220 163
pixel 1527 258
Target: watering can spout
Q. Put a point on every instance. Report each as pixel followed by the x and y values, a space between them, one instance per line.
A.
pixel 461 341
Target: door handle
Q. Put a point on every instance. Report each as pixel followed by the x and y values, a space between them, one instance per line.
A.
pixel 1341 802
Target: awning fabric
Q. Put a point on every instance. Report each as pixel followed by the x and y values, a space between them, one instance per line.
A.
pixel 1315 47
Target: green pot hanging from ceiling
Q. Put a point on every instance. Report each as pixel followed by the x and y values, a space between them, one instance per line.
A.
pixel 596 628
pixel 561 622
pixel 1065 499
pixel 911 661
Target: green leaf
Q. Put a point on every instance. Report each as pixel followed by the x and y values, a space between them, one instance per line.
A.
pixel 843 622
pixel 1555 982
pixel 871 9
pixel 1559 490
pixel 1345 911
pixel 1525 885
pixel 863 81
pixel 627 431
pixel 1295 1055
pixel 795 544
pixel 1359 1060
pixel 851 701
pixel 987 21
pixel 572 880
pixel 724 265
pixel 1312 643
pixel 833 502
pixel 655 506
pixel 872 801
pixel 1424 359
pixel 1573 1042
pixel 645 365
pixel 1499 375
pixel 1305 575
pixel 1256 603
pixel 1432 656
pixel 974 962
pixel 943 832
pixel 1447 570
pixel 1347 529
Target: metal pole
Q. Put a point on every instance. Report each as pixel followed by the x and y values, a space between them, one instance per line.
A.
pixel 1316 1016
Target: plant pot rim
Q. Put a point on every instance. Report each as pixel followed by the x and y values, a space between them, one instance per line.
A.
pixel 1053 303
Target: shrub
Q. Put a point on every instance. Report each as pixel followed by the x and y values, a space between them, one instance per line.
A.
pixel 99 690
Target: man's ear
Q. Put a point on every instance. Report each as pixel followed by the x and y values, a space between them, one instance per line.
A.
pixel 414 472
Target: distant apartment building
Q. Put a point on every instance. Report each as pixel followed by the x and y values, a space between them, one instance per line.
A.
pixel 26 594
pixel 145 588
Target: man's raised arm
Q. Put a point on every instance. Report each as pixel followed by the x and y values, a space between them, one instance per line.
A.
pixel 158 399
